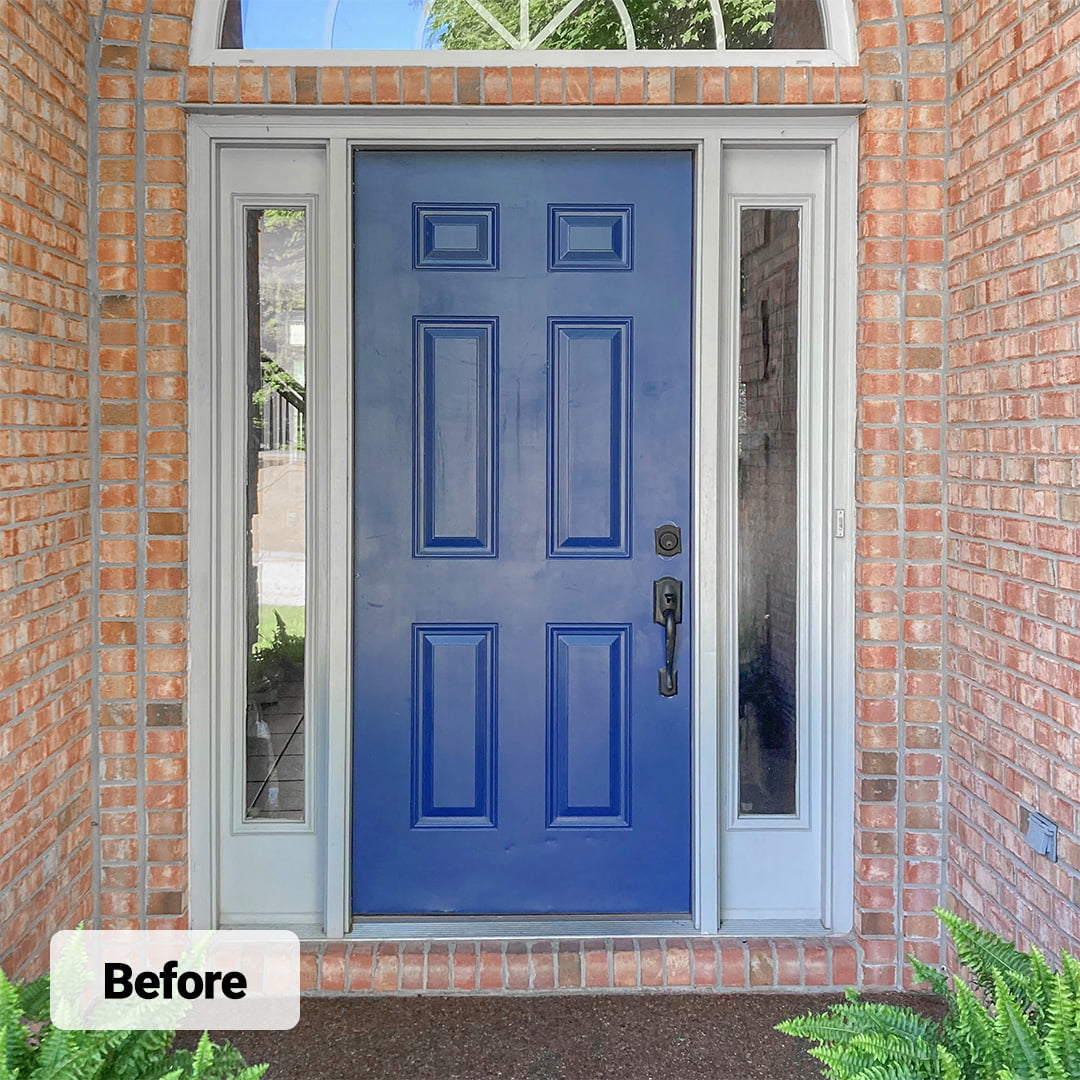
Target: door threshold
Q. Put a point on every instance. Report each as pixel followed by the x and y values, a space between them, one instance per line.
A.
pixel 770 928
pixel 500 927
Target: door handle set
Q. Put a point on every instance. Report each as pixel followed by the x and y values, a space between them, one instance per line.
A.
pixel 667 611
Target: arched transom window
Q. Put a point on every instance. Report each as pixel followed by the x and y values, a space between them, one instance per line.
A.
pixel 438 26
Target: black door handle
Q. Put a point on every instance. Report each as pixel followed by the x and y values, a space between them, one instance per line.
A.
pixel 667 611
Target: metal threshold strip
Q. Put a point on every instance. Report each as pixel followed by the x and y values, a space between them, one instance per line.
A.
pixel 456 928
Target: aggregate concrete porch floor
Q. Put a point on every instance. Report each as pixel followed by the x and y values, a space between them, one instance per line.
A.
pixel 596 1037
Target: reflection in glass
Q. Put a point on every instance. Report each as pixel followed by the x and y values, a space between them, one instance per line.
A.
pixel 507 24
pixel 275 246
pixel 768 510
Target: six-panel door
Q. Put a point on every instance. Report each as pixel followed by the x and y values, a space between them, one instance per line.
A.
pixel 523 369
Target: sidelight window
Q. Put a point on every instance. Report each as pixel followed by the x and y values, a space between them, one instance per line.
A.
pixel 768 543
pixel 276 280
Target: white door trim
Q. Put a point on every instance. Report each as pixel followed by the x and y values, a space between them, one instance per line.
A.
pixel 706 130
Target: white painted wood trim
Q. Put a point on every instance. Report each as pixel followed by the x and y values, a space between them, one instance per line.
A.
pixel 504 58
pixel 705 578
pixel 823 189
pixel 787 853
pixel 840 612
pixel 463 125
pixel 229 883
pixel 705 129
pixel 202 756
pixel 336 524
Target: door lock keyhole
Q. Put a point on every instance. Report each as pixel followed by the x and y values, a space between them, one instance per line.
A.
pixel 668 540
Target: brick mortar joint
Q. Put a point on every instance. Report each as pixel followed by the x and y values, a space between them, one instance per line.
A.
pixel 903 50
pixel 387 962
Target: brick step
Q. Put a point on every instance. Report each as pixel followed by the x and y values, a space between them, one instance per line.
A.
pixel 590 964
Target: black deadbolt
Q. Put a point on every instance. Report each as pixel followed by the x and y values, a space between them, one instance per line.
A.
pixel 668 540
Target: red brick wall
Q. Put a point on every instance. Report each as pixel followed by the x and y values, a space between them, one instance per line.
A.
pixel 46 848
pixel 898 602
pixel 901 257
pixel 142 443
pixel 140 296
pixel 523 86
pixel 1013 439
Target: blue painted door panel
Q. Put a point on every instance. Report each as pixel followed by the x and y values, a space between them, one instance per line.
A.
pixel 522 426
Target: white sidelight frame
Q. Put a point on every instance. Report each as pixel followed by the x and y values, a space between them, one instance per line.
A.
pixel 784 847
pixel 838 18
pixel 710 133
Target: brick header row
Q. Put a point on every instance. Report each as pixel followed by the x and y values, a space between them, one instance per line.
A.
pixel 524 86
pixel 594 964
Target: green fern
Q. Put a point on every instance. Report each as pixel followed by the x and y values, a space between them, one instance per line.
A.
pixel 1017 1034
pixel 34 1000
pixel 984 953
pixel 938 980
pixel 1070 972
pixel 32 1049
pixel 968 1033
pixel 1063 1018
pixel 1014 1018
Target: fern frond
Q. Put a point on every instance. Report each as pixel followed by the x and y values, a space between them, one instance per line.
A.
pixel 1039 989
pixel 31 1048
pixel 969 1033
pixel 889 1048
pixel 252 1072
pixel 1063 1026
pixel 136 1055
pixel 891 1072
pixel 863 1040
pixel 34 999
pixel 58 1056
pixel 924 973
pixel 1014 1018
pixel 13 1051
pixel 1070 972
pixel 822 1029
pixel 949 1067
pixel 877 1058
pixel 843 1022
pixel 1025 1055
pixel 10 1005
pixel 984 953
pixel 204 1053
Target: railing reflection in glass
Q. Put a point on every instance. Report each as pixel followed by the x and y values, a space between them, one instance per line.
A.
pixel 768 563
pixel 276 351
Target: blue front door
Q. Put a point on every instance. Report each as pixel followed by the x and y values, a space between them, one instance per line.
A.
pixel 522 429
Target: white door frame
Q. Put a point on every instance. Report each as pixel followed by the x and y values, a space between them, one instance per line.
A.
pixel 707 131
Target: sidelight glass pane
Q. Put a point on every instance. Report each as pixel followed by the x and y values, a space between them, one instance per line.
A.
pixel 768 510
pixel 510 24
pixel 276 264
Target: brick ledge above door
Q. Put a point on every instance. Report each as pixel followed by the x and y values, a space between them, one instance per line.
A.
pixel 586 965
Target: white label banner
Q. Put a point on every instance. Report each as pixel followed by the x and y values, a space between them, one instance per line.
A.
pixel 176 980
